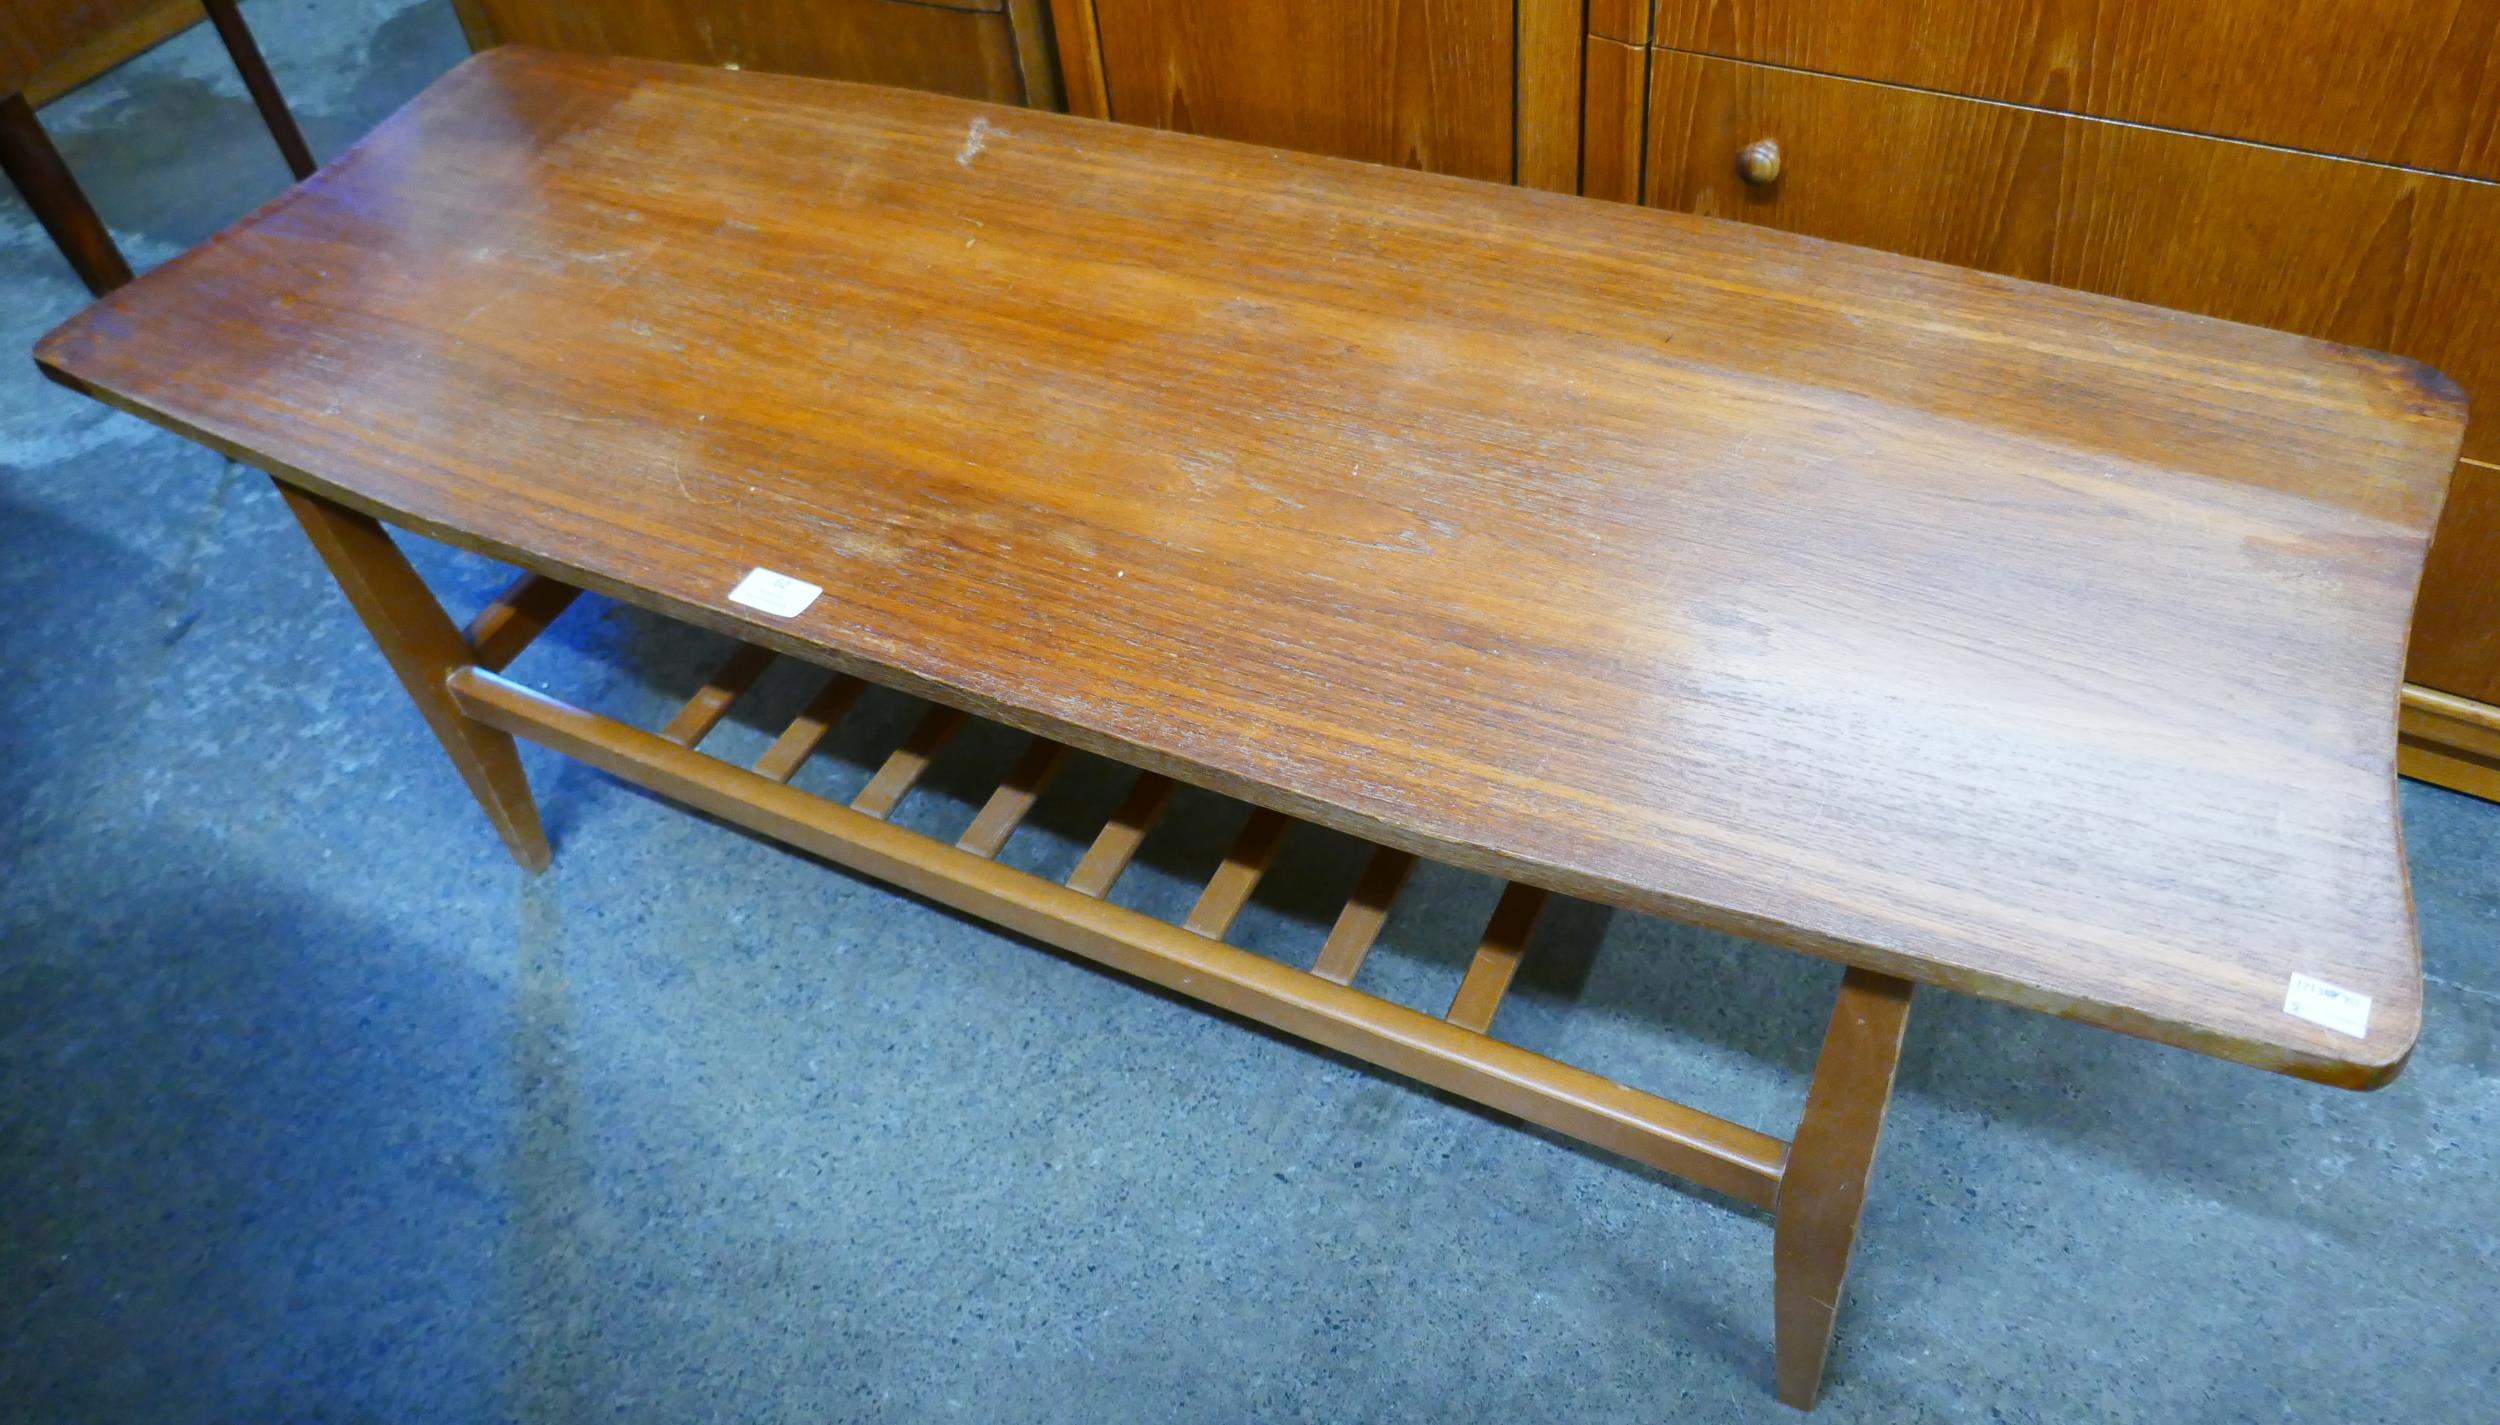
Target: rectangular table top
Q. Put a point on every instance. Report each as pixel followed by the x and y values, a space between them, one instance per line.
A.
pixel 1997 636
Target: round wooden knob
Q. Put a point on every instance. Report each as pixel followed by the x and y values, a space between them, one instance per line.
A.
pixel 1758 163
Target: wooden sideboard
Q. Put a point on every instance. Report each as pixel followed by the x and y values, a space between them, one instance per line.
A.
pixel 1479 88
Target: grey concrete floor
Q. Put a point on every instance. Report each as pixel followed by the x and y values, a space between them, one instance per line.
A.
pixel 312 1106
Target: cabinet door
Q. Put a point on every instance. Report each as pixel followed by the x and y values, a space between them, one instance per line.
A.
pixel 2353 252
pixel 2413 82
pixel 965 47
pixel 1421 83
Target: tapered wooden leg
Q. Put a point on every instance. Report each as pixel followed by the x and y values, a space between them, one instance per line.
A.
pixel 423 647
pixel 1824 1184
pixel 35 166
pixel 264 89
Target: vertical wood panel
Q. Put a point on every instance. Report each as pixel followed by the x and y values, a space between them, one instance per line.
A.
pixel 1418 83
pixel 1550 44
pixel 1612 138
pixel 1074 30
pixel 1035 64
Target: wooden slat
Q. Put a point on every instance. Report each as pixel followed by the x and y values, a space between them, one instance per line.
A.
pixel 1726 1157
pixel 1008 806
pixel 1073 26
pixel 1550 38
pixel 799 740
pixel 1228 890
pixel 1121 836
pixel 902 770
pixel 1366 910
pixel 1497 958
pixel 710 704
pixel 1035 63
pixel 515 618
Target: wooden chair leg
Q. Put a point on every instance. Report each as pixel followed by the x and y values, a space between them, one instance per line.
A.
pixel 423 646
pixel 248 63
pixel 35 166
pixel 1824 1184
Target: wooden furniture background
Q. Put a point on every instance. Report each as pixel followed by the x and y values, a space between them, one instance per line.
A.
pixel 47 46
pixel 1242 466
pixel 997 50
pixel 1479 88
pixel 2324 168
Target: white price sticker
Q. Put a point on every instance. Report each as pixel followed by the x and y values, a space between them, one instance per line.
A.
pixel 2342 1010
pixel 776 594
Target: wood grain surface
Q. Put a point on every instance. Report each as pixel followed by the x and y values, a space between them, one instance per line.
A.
pixel 2351 252
pixel 2415 83
pixel 2005 637
pixel 1418 83
pixel 1623 21
pixel 1077 34
pixel 965 47
pixel 1548 119
pixel 1612 137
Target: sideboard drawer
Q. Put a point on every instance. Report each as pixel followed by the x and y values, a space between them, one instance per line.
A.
pixel 2354 252
pixel 1420 83
pixel 2412 82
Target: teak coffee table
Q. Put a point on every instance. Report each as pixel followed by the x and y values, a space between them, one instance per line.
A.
pixel 1964 631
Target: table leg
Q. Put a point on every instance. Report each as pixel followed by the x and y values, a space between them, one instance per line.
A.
pixel 264 90
pixel 35 166
pixel 423 647
pixel 1824 1184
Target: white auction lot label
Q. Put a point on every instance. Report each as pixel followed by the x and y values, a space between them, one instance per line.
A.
pixel 776 594
pixel 2342 1010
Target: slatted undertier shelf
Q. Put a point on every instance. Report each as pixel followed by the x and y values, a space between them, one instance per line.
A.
pixel 1454 1051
